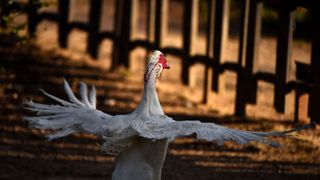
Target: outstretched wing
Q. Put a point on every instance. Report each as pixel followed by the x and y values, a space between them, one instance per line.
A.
pixel 71 116
pixel 166 127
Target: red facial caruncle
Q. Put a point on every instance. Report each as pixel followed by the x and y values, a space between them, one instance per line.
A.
pixel 162 60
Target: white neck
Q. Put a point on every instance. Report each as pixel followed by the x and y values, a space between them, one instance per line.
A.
pixel 149 104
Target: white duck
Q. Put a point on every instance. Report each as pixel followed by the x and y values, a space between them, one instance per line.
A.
pixel 139 139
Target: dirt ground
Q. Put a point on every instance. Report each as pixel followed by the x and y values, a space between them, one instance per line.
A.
pixel 25 153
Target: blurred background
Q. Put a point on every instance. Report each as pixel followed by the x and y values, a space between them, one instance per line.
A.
pixel 245 64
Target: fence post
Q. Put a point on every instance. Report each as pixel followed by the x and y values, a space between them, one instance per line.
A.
pixel 187 39
pixel 220 34
pixel 121 42
pixel 284 44
pixel 314 100
pixel 63 29
pixel 252 49
pixel 209 52
pixel 32 17
pixel 246 84
pixel 159 22
pixel 117 32
pixel 240 104
pixel 125 33
pixel 94 24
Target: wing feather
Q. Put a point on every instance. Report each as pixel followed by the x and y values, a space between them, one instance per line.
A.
pixel 84 94
pixel 93 97
pixel 63 102
pixel 160 129
pixel 68 117
pixel 75 116
pixel 70 94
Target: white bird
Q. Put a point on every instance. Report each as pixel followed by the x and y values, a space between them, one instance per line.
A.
pixel 139 139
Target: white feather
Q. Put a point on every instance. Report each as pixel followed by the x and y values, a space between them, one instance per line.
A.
pixel 70 94
pixel 161 127
pixel 84 94
pixel 74 116
pixel 92 97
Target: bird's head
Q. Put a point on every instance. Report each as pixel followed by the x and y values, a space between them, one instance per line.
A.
pixel 156 64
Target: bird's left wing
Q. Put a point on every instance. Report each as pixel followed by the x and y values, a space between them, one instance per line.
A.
pixel 165 127
pixel 75 115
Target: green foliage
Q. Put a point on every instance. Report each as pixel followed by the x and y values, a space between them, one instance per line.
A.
pixel 12 30
pixel 270 14
pixel 301 14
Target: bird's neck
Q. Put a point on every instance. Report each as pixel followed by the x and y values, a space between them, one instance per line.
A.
pixel 149 104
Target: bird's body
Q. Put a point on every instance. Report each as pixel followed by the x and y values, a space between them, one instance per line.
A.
pixel 143 160
pixel 139 139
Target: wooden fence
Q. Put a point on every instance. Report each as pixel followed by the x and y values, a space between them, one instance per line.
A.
pixel 308 76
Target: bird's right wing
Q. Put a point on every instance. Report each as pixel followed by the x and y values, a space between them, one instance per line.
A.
pixel 168 128
pixel 74 115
